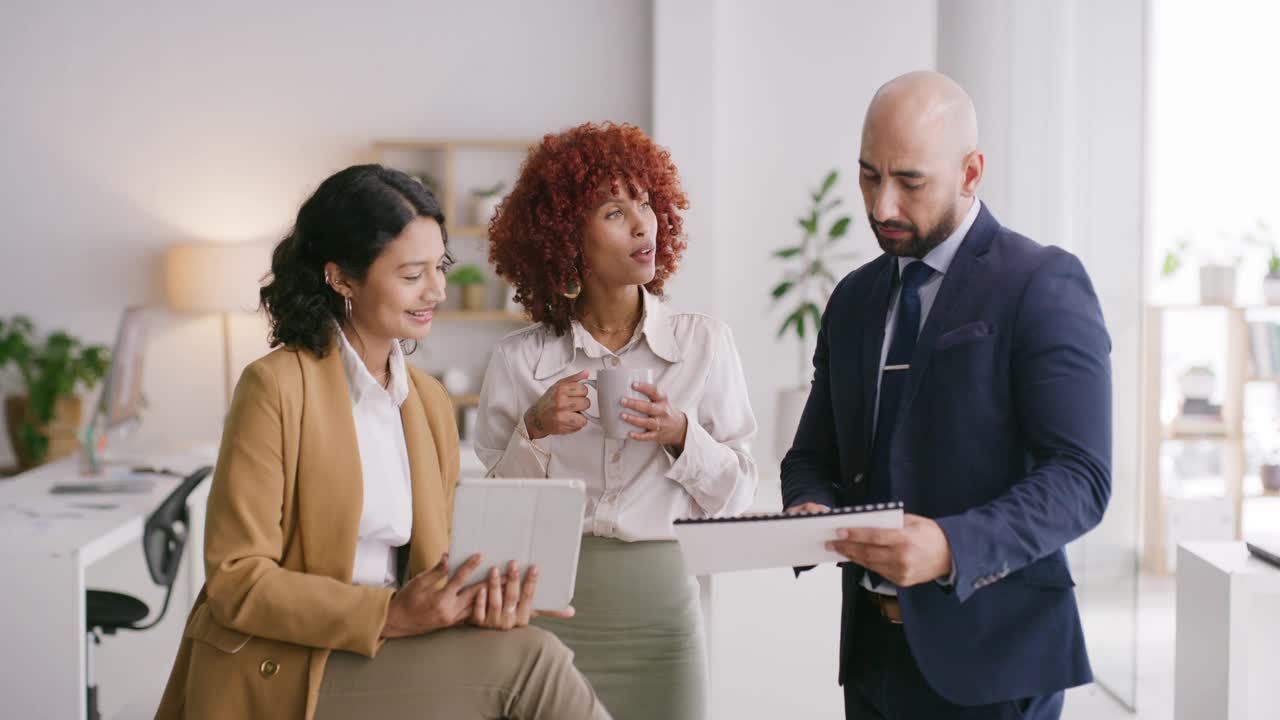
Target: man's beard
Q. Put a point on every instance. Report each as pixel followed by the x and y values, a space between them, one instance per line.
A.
pixel 915 245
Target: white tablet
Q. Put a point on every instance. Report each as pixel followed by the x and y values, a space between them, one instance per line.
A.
pixel 534 522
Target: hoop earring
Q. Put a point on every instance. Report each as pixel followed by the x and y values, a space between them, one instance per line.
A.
pixel 572 291
pixel 347 303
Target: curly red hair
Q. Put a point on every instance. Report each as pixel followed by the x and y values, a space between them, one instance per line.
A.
pixel 535 238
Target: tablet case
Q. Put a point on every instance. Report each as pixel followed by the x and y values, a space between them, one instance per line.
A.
pixel 532 521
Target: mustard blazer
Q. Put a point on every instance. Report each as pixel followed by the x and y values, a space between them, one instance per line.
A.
pixel 280 538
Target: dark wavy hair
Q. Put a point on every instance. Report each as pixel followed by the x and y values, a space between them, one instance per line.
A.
pixel 348 220
pixel 535 239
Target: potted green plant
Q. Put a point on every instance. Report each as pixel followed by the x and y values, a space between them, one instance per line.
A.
pixel 806 284
pixel 427 180
pixel 1269 471
pixel 471 279
pixel 45 420
pixel 1271 281
pixel 485 202
pixel 1217 268
pixel 1262 237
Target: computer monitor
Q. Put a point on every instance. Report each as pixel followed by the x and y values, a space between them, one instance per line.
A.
pixel 122 400
pixel 120 406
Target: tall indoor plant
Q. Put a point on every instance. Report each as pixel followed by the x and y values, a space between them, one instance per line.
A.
pixel 806 284
pixel 44 421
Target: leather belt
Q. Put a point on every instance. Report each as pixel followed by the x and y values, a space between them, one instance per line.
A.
pixel 887 605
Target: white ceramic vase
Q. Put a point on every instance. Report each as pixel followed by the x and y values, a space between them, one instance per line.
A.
pixel 1217 284
pixel 1271 289
pixel 484 208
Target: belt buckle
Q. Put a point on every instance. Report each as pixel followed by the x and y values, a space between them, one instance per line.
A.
pixel 881 601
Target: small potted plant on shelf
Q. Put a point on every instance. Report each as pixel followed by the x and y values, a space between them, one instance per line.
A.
pixel 426 180
pixel 1270 472
pixel 807 283
pixel 44 421
pixel 1217 269
pixel 471 279
pixel 1271 282
pixel 1261 236
pixel 485 202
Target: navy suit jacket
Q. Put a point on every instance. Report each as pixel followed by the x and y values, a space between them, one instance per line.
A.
pixel 1003 437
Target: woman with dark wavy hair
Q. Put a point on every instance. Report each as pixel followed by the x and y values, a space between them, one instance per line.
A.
pixel 328 592
pixel 589 236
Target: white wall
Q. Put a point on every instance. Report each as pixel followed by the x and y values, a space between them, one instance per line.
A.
pixel 130 126
pixel 133 125
pixel 789 86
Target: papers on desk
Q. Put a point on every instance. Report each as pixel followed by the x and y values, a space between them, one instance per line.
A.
pixel 752 542
pixel 20 521
pixel 64 506
pixel 104 487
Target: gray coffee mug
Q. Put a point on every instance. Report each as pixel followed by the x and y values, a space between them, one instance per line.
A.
pixel 611 386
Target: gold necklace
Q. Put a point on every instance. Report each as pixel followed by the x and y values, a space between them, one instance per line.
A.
pixel 383 378
pixel 634 321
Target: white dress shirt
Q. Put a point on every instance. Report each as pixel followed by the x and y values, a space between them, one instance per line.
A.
pixel 635 489
pixel 939 259
pixel 386 516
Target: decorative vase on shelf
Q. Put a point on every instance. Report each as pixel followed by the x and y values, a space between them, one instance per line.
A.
pixel 1271 289
pixel 1197 383
pixel 473 297
pixel 485 203
pixel 1270 477
pixel 509 303
pixel 470 278
pixel 1217 284
pixel 485 208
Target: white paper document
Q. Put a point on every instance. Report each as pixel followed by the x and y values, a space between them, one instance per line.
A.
pixel 753 542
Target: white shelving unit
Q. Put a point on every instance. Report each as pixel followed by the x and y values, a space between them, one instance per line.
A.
pixel 1212 507
pixel 454 167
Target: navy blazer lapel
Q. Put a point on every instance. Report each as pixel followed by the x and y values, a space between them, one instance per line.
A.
pixel 954 284
pixel 874 316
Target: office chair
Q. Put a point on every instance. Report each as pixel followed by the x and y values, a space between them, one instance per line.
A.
pixel 164 538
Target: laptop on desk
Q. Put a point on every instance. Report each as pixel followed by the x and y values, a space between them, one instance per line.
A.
pixel 1269 552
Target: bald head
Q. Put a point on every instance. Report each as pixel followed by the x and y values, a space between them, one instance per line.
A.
pixel 920 163
pixel 928 106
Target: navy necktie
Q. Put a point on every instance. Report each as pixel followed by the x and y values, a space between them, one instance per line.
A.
pixel 893 380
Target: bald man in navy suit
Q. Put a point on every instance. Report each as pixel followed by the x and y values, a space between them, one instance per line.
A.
pixel 966 373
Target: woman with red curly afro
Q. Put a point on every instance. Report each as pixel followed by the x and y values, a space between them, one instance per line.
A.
pixel 589 236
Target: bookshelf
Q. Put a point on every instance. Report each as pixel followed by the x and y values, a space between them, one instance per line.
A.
pixel 453 168
pixel 1228 437
pixel 509 316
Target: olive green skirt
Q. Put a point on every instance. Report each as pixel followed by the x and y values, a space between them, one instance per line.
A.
pixel 637 634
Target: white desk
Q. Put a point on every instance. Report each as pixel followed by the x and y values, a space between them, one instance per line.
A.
pixel 46 543
pixel 1228 642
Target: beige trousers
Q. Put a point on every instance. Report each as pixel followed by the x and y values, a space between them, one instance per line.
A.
pixel 459 674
